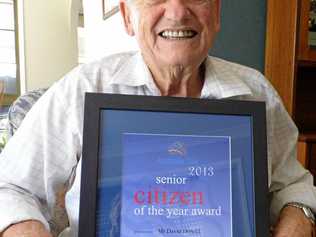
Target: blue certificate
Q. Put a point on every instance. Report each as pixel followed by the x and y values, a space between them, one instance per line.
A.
pixel 176 185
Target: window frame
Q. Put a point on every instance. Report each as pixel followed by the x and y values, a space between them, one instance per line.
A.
pixel 9 98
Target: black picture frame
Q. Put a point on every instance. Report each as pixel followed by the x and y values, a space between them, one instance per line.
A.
pixel 96 102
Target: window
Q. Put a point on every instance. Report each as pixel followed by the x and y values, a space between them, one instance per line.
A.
pixel 8 49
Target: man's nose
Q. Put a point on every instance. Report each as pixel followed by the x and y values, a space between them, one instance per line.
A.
pixel 176 9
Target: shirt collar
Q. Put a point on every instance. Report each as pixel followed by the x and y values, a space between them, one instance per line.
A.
pixel 220 81
pixel 135 73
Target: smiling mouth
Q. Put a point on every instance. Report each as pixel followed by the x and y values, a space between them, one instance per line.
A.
pixel 177 34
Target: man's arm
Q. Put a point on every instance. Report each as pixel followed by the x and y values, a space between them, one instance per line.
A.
pixel 26 229
pixel 290 182
pixel 294 223
pixel 39 159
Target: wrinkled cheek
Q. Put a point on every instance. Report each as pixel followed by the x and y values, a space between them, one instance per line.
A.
pixel 144 43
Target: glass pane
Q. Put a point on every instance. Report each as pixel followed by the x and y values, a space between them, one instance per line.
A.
pixel 7 47
pixel 312 24
pixel 8 76
pixel 6 16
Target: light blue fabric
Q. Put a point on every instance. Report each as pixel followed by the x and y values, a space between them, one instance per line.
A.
pixel 20 107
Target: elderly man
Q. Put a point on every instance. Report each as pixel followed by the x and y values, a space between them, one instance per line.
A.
pixel 43 158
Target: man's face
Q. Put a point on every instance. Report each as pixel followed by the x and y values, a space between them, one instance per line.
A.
pixel 173 32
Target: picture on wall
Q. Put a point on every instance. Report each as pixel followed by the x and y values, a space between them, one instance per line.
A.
pixel 110 7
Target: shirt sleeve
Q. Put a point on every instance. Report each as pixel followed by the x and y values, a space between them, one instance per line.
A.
pixel 38 160
pixel 21 207
pixel 290 182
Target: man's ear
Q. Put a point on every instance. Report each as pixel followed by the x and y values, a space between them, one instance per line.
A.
pixel 127 17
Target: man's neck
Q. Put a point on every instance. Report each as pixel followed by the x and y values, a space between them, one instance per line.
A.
pixel 179 81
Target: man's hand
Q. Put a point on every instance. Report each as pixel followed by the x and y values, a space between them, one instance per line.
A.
pixel 26 229
pixel 293 223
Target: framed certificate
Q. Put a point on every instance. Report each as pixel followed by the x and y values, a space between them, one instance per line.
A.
pixel 166 166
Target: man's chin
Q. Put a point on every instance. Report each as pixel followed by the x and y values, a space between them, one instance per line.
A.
pixel 182 57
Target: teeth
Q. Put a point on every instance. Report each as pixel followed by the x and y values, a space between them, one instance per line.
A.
pixel 178 34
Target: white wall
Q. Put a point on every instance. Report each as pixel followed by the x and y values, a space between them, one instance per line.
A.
pixel 104 37
pixel 50 40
